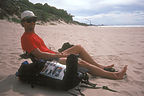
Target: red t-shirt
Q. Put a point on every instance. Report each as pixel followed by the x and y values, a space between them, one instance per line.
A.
pixel 31 41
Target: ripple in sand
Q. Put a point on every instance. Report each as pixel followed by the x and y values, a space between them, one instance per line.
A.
pixel 138 72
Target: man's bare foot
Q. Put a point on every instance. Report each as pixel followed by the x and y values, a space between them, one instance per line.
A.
pixel 120 75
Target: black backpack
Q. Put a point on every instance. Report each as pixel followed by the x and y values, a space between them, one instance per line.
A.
pixel 74 75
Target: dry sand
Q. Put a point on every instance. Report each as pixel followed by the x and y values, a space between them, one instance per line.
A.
pixel 107 45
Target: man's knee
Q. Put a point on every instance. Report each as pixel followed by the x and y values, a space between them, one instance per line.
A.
pixel 78 46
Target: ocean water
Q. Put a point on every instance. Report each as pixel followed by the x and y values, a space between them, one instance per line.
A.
pixel 122 26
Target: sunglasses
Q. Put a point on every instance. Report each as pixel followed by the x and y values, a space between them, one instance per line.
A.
pixel 30 20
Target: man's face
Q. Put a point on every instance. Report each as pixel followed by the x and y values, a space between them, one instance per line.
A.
pixel 29 24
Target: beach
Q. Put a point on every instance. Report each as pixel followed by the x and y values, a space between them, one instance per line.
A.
pixel 107 45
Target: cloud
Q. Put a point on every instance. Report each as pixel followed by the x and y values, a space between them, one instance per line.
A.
pixel 102 11
pixel 88 4
pixel 117 2
pixel 76 6
pixel 113 18
pixel 84 4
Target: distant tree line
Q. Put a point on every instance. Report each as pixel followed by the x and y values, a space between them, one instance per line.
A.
pixel 11 10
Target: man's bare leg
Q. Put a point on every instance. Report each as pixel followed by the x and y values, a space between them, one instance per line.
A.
pixel 77 49
pixel 94 70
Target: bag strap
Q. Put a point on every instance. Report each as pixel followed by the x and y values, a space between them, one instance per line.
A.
pixel 85 83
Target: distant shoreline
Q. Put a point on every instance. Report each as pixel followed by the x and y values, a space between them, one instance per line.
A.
pixel 122 26
pixel 115 25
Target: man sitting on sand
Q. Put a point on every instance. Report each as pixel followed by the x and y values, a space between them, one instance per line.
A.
pixel 33 44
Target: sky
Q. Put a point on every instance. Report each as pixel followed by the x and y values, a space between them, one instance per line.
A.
pixel 107 12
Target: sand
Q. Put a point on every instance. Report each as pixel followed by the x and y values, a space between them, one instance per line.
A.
pixel 107 45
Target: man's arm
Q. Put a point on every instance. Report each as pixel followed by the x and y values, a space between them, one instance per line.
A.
pixel 44 55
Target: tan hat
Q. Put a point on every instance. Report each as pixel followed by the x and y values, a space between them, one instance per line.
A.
pixel 27 14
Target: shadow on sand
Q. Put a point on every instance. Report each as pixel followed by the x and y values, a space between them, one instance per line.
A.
pixel 12 83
